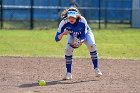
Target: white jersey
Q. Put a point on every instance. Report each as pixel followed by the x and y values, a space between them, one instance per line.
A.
pixel 83 20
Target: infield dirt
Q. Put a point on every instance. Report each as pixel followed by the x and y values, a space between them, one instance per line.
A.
pixel 20 75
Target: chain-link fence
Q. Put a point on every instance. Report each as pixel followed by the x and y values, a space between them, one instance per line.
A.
pixel 44 14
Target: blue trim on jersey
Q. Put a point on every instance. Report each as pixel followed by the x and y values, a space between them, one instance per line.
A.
pixel 76 30
pixel 63 27
pixel 56 37
pixel 83 35
pixel 58 33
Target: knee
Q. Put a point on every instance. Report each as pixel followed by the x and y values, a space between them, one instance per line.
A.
pixel 68 51
pixel 92 48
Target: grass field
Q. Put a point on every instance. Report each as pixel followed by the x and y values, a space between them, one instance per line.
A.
pixel 111 44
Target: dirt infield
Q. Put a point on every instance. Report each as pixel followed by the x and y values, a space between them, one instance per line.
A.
pixel 20 75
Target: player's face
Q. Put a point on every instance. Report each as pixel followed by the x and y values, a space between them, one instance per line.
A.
pixel 72 20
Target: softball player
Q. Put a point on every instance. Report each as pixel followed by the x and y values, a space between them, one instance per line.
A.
pixel 75 26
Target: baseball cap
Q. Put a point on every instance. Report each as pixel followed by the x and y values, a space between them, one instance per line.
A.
pixel 72 14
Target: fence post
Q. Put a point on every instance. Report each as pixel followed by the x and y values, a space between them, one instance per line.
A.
pixel 131 12
pixel 99 14
pixel 135 14
pixel 1 10
pixel 32 15
pixel 59 11
pixel 106 14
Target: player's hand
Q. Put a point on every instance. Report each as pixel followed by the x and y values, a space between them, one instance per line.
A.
pixel 82 40
pixel 66 32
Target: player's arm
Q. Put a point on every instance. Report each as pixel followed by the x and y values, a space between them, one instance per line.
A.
pixel 83 20
pixel 83 33
pixel 61 31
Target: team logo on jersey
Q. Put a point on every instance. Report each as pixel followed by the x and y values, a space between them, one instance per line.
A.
pixel 75 34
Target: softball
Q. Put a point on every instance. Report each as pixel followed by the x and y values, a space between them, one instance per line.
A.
pixel 41 82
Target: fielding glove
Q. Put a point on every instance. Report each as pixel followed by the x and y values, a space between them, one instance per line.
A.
pixel 76 43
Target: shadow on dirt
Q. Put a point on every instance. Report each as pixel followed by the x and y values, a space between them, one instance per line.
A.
pixel 28 85
pixel 49 83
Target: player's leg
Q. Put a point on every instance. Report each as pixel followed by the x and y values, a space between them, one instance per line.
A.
pixel 90 43
pixel 68 58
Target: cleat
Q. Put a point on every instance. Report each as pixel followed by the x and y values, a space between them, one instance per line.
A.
pixel 98 73
pixel 68 76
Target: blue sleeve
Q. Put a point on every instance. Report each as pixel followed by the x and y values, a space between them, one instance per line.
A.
pixel 83 35
pixel 56 37
pixel 61 30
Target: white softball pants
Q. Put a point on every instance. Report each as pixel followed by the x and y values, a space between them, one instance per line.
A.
pixel 89 42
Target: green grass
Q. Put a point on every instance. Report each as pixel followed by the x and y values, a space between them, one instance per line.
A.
pixel 124 44
pixel 111 44
pixel 25 24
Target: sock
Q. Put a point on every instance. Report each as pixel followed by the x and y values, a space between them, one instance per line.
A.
pixel 68 63
pixel 94 58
